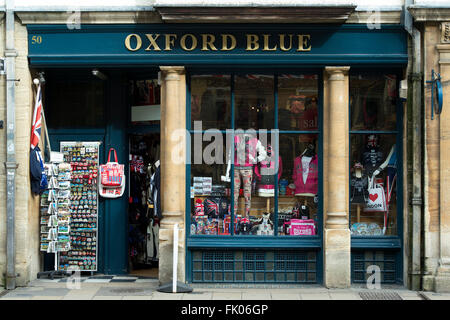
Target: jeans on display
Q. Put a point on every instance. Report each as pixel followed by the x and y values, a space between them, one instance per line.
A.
pixel 246 176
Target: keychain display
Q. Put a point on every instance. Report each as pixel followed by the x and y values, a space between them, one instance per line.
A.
pixel 83 160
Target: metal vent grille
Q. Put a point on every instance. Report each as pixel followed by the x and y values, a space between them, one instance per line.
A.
pixel 385 260
pixel 254 266
pixel 380 296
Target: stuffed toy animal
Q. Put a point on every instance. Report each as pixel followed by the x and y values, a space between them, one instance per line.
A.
pixel 266 226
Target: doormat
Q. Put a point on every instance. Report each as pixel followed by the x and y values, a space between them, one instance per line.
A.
pixel 380 296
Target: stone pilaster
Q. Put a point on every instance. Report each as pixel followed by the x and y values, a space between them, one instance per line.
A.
pixel 337 243
pixel 442 280
pixel 173 172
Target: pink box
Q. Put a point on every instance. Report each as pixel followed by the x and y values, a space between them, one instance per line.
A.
pixel 299 227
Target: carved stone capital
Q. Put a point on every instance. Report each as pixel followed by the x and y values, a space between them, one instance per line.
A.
pixel 172 73
pixel 337 73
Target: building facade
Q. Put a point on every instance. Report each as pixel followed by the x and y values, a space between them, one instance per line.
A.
pixel 332 102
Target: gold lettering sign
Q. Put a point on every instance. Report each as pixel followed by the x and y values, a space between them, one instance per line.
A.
pixel 170 41
pixel 153 43
pixel 283 42
pixel 210 42
pixel 304 43
pixel 225 38
pixel 193 42
pixel 252 42
pixel 266 43
pixel 128 42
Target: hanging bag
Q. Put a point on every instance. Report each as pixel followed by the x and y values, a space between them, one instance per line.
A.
pixel 376 201
pixel 112 178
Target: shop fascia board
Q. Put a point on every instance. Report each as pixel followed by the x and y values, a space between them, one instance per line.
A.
pixel 256 14
pixel 423 13
pixel 88 17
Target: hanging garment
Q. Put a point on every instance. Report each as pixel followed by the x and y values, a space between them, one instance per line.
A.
pixel 153 240
pixel 372 157
pixel 154 200
pixel 359 190
pixel 266 173
pixel 312 180
pixel 37 172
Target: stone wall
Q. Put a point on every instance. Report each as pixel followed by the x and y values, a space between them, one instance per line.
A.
pixel 27 205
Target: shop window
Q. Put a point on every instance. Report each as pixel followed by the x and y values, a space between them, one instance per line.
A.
pixel 374 149
pixel 248 178
pixel 373 101
pixel 210 101
pixel 298 108
pixel 299 182
pixel 210 198
pixel 75 103
pixel 254 100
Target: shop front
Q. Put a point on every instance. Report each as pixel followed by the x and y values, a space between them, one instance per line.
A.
pixel 281 145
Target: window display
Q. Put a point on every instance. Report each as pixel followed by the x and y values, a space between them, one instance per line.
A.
pixel 264 183
pixel 373 160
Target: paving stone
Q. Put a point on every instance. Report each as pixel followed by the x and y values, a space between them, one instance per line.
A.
pixel 198 296
pixel 344 296
pixel 315 296
pixel 227 296
pixel 107 298
pixel 255 296
pixel 149 297
pixel 122 291
pixel 167 296
pixel 47 298
pixel 285 296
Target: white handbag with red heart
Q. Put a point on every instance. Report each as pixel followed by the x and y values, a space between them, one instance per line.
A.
pixel 376 201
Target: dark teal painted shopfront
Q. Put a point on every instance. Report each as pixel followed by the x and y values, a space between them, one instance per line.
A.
pixel 136 51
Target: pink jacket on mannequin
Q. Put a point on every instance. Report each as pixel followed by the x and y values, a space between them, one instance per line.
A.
pixel 312 180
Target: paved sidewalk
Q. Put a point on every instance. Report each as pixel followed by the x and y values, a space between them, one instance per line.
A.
pixel 125 288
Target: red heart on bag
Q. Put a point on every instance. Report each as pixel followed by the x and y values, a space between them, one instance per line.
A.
pixel 373 197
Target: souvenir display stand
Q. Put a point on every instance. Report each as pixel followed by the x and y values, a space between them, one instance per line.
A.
pixel 55 215
pixel 83 158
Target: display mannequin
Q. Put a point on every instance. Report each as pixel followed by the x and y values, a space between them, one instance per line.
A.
pixel 359 185
pixel 248 150
pixel 372 156
pixel 266 172
pixel 306 173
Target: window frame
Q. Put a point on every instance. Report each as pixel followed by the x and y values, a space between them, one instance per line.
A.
pixel 239 241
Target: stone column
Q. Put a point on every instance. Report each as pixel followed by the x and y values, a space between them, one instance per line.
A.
pixel 336 175
pixel 442 280
pixel 173 170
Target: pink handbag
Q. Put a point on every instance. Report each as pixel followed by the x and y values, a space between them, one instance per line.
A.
pixel 112 178
pixel 297 227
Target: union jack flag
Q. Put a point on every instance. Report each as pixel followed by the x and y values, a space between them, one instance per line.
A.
pixel 37 117
pixel 211 208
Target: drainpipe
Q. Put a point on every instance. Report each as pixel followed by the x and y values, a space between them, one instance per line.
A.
pixel 416 78
pixel 416 200
pixel 10 164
